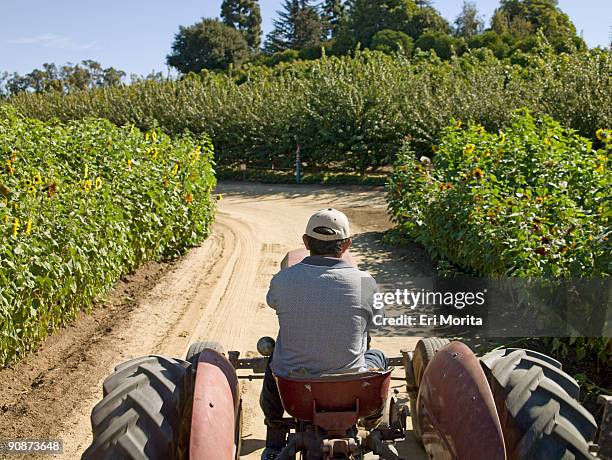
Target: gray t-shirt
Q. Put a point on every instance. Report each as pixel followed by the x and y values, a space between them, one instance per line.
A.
pixel 324 309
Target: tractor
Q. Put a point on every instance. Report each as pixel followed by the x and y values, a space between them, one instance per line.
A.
pixel 507 404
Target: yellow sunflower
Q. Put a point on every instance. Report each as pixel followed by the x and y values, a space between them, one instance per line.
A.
pixel 478 173
pixel 604 135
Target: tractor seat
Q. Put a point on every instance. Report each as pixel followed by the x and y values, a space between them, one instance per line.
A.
pixel 335 402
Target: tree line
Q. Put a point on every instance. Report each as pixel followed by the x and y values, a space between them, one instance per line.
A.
pixel 349 112
pixel 68 78
pixel 85 75
pixel 304 29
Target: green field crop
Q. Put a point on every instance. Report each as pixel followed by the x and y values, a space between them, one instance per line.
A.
pixel 530 200
pixel 82 204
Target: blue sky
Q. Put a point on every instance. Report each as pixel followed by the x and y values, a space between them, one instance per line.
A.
pixel 135 35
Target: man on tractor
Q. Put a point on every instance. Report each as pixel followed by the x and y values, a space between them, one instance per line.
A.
pixel 325 309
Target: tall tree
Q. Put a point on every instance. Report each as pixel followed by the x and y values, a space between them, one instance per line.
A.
pixel 282 36
pixel 208 44
pixel 245 16
pixel 427 19
pixel 523 17
pixel 368 17
pixel 253 24
pixel 309 28
pixel 469 22
pixel 333 14
pixel 298 26
pixel 230 13
pixel 517 27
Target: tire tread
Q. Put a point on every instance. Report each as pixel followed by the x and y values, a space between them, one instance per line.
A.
pixel 141 413
pixel 197 347
pixel 532 401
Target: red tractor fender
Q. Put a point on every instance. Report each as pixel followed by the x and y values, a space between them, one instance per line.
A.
pixel 216 403
pixel 456 410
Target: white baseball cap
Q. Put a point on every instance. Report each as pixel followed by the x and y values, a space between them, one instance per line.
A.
pixel 328 225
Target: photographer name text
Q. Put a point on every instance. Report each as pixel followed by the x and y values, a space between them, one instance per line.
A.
pixel 427 320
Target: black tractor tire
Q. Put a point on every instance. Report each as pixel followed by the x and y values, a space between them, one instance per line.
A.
pixel 416 428
pixel 423 354
pixel 238 431
pixel 540 419
pixel 550 366
pixel 145 412
pixel 193 354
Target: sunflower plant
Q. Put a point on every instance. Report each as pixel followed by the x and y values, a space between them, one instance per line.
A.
pixel 82 204
pixel 531 200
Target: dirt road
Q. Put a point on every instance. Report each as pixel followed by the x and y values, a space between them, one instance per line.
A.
pixel 215 292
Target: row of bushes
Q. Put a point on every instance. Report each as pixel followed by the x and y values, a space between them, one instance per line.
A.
pixel 531 200
pixel 82 204
pixel 352 111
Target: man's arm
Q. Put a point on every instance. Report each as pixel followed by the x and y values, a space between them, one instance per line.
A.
pixel 272 298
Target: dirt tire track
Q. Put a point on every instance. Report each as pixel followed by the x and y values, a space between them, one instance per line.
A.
pixel 215 292
pixel 234 300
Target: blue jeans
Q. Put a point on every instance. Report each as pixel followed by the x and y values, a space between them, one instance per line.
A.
pixel 272 407
pixel 376 359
